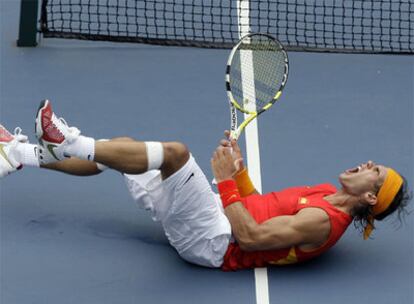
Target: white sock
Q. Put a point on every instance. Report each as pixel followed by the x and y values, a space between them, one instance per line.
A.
pixel 26 154
pixel 83 148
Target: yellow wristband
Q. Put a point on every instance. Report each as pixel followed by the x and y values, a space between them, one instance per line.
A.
pixel 244 183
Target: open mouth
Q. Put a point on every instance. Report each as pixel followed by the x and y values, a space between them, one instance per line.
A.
pixel 353 170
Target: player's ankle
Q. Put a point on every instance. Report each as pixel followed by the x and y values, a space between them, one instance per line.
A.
pixel 26 154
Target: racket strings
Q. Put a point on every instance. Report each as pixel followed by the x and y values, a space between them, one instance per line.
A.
pixel 257 72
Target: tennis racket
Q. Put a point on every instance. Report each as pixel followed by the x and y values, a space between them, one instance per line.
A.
pixel 256 74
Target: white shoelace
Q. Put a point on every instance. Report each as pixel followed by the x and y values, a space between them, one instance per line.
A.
pixel 19 136
pixel 73 131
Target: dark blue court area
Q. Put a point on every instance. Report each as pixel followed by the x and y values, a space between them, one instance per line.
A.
pixel 68 240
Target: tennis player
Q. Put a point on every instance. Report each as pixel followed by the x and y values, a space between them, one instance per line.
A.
pixel 235 229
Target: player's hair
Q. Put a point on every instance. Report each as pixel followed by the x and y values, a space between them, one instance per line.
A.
pixel 362 211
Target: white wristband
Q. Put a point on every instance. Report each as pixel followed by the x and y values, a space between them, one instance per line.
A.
pixel 155 154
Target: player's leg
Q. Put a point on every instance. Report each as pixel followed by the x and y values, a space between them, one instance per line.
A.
pixel 184 202
pixel 16 152
pixel 80 167
pixel 74 166
pixel 125 155
pixel 138 157
pixel 57 141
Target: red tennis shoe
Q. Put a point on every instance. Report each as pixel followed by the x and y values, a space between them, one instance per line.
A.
pixel 53 134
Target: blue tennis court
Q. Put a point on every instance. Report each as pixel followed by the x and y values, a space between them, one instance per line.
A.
pixel 67 239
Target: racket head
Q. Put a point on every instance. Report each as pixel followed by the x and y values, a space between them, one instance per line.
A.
pixel 256 73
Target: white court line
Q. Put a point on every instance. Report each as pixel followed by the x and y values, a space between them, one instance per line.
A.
pixel 252 142
pixel 253 164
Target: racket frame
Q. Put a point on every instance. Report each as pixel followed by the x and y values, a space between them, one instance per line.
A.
pixel 234 105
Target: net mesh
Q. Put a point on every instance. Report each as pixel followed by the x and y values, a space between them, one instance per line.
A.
pixel 367 26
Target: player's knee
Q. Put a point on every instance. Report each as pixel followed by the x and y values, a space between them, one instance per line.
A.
pixel 176 155
pixel 175 152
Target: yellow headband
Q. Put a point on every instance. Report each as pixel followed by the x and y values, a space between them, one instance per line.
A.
pixel 386 195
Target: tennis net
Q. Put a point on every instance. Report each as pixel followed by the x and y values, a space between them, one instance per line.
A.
pixel 363 26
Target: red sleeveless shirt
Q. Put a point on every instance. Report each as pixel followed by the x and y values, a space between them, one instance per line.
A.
pixel 287 202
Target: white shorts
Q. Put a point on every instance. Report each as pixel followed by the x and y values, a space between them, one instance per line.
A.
pixel 190 212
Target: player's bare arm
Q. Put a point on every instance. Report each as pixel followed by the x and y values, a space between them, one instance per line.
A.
pixel 309 227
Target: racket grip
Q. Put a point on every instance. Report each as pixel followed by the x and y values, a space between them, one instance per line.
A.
pixel 234 135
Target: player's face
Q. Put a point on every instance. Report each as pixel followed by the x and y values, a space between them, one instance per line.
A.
pixel 367 177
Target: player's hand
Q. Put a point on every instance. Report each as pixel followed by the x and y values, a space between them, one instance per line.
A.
pixel 236 152
pixel 222 164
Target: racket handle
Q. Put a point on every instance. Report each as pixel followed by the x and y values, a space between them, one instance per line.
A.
pixel 234 135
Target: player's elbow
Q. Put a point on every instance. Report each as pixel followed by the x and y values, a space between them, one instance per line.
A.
pixel 250 242
pixel 247 246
